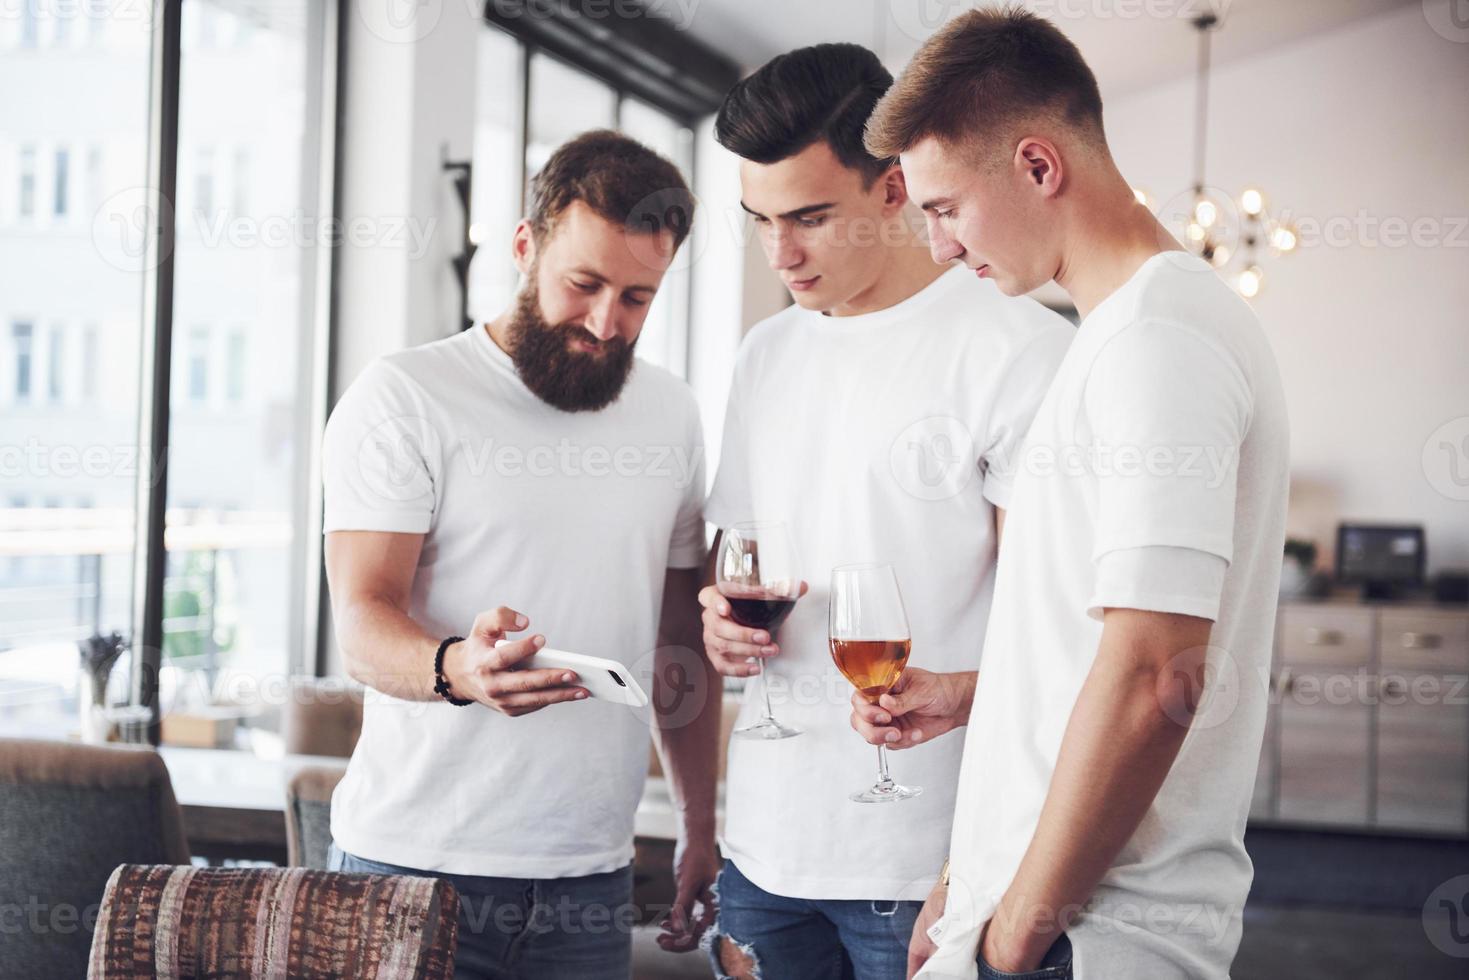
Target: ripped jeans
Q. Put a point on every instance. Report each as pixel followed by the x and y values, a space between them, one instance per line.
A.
pixel 775 938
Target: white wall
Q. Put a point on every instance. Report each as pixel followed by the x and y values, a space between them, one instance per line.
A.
pixel 408 82
pixel 409 96
pixel 1369 119
pixel 733 287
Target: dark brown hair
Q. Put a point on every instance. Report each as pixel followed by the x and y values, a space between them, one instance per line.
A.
pixel 824 92
pixel 984 74
pixel 618 178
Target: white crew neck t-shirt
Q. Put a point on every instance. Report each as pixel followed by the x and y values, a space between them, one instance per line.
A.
pixel 1154 478
pixel 879 437
pixel 569 518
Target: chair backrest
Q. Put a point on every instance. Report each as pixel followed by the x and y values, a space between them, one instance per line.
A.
pixel 322 717
pixel 309 815
pixel 248 923
pixel 69 814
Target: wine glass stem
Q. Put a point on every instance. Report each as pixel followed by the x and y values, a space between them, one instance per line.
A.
pixel 883 779
pixel 765 690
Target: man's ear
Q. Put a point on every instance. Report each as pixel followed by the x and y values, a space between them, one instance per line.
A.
pixel 1040 163
pixel 894 190
pixel 523 247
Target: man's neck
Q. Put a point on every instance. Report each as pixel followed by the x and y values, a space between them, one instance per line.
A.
pixel 1107 244
pixel 907 270
pixel 499 331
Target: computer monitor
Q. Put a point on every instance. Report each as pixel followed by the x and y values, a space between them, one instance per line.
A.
pixel 1383 560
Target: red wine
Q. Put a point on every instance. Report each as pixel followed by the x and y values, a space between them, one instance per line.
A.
pixel 759 610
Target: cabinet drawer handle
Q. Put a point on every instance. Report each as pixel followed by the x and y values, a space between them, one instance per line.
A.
pixel 1421 641
pixel 1317 637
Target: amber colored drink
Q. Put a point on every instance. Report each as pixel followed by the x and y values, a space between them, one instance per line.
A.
pixel 873 666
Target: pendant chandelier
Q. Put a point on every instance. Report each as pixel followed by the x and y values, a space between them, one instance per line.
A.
pixel 1230 232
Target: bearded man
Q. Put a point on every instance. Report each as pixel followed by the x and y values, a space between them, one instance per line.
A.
pixel 530 474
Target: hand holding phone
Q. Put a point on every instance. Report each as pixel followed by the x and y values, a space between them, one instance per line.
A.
pixel 605 679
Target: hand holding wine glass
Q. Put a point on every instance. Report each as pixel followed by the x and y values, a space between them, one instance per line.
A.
pixel 758 583
pixel 920 706
pixel 870 643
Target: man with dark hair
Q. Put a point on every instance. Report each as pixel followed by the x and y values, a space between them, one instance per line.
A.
pixel 875 419
pixel 1115 732
pixel 529 472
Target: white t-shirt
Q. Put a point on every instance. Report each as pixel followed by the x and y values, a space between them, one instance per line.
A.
pixel 874 437
pixel 569 518
pixel 1154 478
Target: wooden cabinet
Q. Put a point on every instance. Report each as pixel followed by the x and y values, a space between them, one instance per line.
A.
pixel 1325 740
pixel 1369 719
pixel 1329 636
pixel 1422 775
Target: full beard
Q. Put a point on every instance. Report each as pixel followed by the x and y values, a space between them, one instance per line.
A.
pixel 570 380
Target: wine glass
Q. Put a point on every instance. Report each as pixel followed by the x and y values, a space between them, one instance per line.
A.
pixel 757 573
pixel 870 643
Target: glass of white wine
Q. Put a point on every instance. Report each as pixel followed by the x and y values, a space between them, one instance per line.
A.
pixel 870 643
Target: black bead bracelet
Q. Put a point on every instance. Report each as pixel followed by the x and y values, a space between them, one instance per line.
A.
pixel 441 683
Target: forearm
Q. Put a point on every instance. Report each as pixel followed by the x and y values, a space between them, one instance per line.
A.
pixel 691 756
pixel 964 682
pixel 384 648
pixel 688 699
pixel 1119 745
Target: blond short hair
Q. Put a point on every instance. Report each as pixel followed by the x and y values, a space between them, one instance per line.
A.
pixel 983 76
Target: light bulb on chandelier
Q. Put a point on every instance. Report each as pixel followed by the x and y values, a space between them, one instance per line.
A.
pixel 1250 281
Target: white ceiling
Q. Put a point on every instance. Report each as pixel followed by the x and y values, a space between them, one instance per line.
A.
pixel 1127 49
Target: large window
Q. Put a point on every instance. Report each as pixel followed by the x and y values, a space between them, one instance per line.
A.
pixel 245 259
pixel 243 324
pixel 561 102
pixel 68 464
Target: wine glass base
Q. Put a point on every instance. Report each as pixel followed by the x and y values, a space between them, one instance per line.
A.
pixel 766 730
pixel 886 794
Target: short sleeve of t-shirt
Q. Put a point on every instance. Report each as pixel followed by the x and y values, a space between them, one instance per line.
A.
pixel 1167 413
pixel 729 499
pixel 382 456
pixel 1026 380
pixel 1159 579
pixel 686 548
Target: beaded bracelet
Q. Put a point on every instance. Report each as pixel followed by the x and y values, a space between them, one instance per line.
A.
pixel 441 683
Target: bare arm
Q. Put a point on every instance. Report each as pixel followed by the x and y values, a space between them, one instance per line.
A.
pixel 688 699
pixel 1128 724
pixel 370 578
pixel 684 677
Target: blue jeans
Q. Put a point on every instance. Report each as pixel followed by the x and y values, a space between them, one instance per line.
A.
pixel 533 929
pixel 809 939
pixel 1056 965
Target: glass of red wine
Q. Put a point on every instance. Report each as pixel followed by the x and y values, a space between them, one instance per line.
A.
pixel 870 643
pixel 756 572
